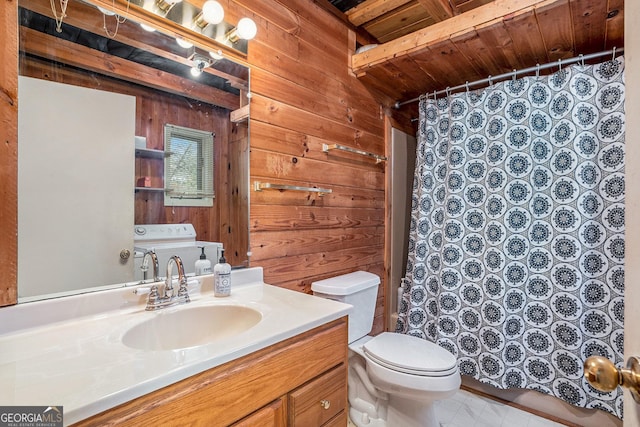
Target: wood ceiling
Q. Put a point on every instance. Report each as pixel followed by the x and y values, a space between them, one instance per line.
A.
pixel 429 45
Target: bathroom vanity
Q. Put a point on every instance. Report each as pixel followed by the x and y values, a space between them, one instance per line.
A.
pixel 289 368
pixel 298 382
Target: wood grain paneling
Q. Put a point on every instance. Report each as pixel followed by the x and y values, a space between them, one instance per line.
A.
pixel 530 49
pixel 494 37
pixel 615 24
pixel 56 49
pixel 291 242
pixel 593 31
pixel 303 98
pixel 558 36
pixel 401 21
pixel 372 9
pixel 272 415
pixel 9 151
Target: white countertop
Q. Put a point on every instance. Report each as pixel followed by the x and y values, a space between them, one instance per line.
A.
pixel 68 351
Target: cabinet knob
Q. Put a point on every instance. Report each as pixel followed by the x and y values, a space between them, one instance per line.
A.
pixel 325 404
pixel 125 254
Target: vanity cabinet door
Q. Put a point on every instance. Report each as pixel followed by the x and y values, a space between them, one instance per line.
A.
pixel 316 403
pixel 272 415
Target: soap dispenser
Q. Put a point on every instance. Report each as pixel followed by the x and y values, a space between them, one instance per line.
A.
pixel 222 277
pixel 203 265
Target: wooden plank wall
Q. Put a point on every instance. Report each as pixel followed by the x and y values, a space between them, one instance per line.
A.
pixel 8 151
pixel 303 95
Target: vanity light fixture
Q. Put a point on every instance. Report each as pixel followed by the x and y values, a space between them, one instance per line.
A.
pixel 207 21
pixel 245 30
pixel 166 5
pixel 106 12
pixel 212 13
pixel 199 64
pixel 184 43
pixel 217 55
pixel 120 19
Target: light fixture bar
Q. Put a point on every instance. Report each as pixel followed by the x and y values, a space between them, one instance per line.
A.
pixel 211 38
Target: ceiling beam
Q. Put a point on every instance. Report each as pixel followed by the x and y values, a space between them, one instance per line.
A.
pixel 89 19
pixel 421 39
pixel 363 37
pixel 371 9
pixel 438 9
pixel 56 49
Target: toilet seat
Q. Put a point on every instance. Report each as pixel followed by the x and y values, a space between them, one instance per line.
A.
pixel 410 355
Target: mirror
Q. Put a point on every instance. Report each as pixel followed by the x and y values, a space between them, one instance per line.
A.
pixel 94 100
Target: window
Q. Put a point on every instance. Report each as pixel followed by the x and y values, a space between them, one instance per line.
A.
pixel 188 167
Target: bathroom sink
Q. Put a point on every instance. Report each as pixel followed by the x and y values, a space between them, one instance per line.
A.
pixel 190 327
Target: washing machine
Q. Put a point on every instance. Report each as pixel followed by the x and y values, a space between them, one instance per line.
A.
pixel 167 240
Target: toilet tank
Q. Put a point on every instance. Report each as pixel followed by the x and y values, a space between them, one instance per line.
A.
pixel 360 289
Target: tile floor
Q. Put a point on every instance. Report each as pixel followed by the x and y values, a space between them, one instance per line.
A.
pixel 466 409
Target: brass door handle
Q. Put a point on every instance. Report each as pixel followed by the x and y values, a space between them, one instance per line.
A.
pixel 603 375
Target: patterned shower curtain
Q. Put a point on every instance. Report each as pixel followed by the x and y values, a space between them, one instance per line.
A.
pixel 516 245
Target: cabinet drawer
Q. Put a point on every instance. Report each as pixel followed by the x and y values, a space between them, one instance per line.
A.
pixel 318 401
pixel 272 415
pixel 340 420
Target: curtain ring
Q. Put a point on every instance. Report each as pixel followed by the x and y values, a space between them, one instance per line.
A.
pixel 435 96
pixel 466 84
pixel 613 58
pixel 447 91
pixel 581 56
pixel 559 64
pixel 515 74
pixel 537 71
pixel 490 81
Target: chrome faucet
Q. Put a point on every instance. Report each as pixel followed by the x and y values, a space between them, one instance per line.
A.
pixel 150 254
pixel 183 294
pixel 167 297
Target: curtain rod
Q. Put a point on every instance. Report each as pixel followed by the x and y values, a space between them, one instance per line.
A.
pixel 514 73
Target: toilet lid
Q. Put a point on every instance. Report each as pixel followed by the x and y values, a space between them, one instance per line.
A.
pixel 409 354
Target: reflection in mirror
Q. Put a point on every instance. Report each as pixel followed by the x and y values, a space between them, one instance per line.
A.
pixel 94 101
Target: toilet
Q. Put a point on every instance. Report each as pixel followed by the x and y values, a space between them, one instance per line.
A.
pixel 394 379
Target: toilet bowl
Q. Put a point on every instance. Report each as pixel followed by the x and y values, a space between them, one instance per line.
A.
pixel 394 379
pixel 409 374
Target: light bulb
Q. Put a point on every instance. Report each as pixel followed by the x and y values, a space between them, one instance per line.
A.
pixel 183 43
pixel 172 1
pixel 246 29
pixel 212 12
pixel 147 28
pixel 105 11
pixel 217 55
pixel 199 64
